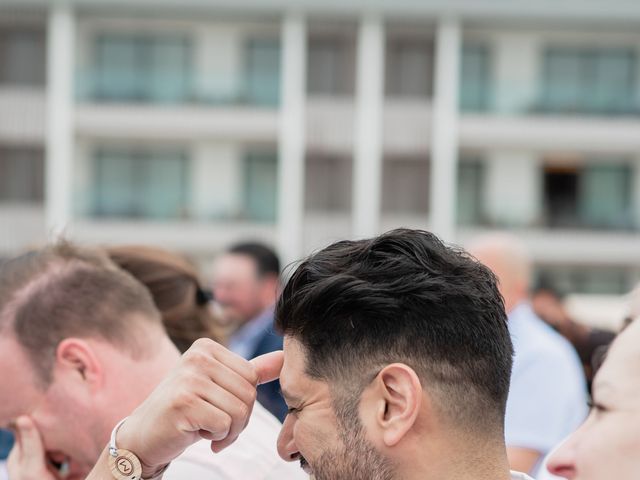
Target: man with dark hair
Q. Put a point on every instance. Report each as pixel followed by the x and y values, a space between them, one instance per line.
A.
pixel 245 284
pixel 397 362
pixel 396 366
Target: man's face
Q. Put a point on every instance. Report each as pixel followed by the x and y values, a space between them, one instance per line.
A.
pixel 327 445
pixel 237 288
pixel 608 445
pixel 62 418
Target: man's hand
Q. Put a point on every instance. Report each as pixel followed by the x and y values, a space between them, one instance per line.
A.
pixel 27 460
pixel 210 395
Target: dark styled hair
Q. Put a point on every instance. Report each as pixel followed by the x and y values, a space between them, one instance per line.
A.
pixel 63 291
pixel 265 258
pixel 404 296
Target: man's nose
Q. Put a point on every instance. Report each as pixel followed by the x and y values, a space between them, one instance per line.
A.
pixel 287 448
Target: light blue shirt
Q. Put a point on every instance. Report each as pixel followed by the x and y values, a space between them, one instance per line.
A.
pixel 548 396
pixel 245 340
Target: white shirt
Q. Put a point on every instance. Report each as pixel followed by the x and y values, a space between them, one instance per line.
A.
pixel 4 475
pixel 547 398
pixel 520 476
pixel 252 457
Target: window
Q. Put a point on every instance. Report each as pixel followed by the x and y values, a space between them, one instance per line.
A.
pixel 475 78
pixel 588 280
pixel 142 68
pixel 330 66
pixel 22 56
pixel 21 175
pixel 405 185
pixel 261 186
pixel 592 196
pixel 328 184
pixel 409 67
pixel 140 183
pixel 263 71
pixel 470 192
pixel 582 80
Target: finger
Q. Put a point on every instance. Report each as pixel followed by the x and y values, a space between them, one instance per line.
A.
pixel 268 366
pixel 31 451
pixel 218 446
pixel 209 348
pixel 13 461
pixel 228 379
pixel 235 408
pixel 213 423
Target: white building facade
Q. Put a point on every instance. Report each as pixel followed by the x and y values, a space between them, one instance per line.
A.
pixel 194 124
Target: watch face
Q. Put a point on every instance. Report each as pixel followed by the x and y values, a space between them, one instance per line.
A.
pixel 125 466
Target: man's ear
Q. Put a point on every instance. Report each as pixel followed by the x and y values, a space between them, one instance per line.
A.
pixel 76 359
pixel 400 398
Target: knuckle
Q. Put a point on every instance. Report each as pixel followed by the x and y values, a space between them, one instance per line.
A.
pixel 225 423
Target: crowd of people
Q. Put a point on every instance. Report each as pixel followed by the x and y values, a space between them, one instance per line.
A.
pixel 395 357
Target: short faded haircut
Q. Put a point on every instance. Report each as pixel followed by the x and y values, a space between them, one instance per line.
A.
pixel 406 297
pixel 62 291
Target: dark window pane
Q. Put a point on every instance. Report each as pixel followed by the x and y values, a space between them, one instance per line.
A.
pixel 583 80
pixel 263 72
pixel 261 186
pixel 330 70
pixel 405 185
pixel 470 192
pixel 131 182
pixel 409 67
pixel 21 175
pixel 475 78
pixel 328 184
pixel 143 68
pixel 22 56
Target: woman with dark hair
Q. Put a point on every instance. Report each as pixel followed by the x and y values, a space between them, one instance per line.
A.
pixel 176 290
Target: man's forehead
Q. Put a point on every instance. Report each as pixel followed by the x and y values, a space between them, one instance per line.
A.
pixel 293 376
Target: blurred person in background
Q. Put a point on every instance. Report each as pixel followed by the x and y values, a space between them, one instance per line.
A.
pixel 176 290
pixel 547 398
pixel 548 304
pixel 246 282
pixel 83 345
pixel 607 445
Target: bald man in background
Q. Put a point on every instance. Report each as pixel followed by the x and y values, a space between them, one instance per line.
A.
pixel 547 397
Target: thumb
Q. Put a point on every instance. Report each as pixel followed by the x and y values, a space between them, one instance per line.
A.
pixel 268 366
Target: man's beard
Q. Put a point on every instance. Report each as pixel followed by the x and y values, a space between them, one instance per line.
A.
pixel 355 459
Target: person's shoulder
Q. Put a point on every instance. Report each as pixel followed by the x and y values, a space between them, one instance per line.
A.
pixel 539 339
pixel 270 341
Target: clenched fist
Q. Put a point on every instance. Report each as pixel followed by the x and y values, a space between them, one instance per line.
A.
pixel 210 394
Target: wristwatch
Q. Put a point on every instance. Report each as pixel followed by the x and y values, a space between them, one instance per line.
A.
pixel 124 464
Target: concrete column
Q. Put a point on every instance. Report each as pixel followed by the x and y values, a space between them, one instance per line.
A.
pixel 292 138
pixel 367 165
pixel 59 136
pixel 444 149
